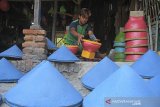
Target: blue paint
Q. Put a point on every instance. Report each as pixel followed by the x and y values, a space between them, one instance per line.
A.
pixel 44 87
pixel 63 54
pixel 99 73
pixel 8 72
pixel 13 52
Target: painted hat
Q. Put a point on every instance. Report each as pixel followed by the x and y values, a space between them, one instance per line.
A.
pixel 119 60
pixel 90 46
pixel 73 48
pixel 63 54
pixel 8 72
pixel 120 37
pixel 135 24
pixel 154 85
pixel 136 43
pixel 132 58
pixel 32 71
pixel 44 87
pixel 13 52
pixel 99 73
pixel 1 100
pixel 119 55
pixel 122 83
pixel 135 36
pixel 119 49
pixel 50 44
pixel 139 50
pixel 119 44
pixel 148 64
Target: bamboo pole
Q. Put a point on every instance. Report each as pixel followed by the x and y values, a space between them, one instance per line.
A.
pixel 54 21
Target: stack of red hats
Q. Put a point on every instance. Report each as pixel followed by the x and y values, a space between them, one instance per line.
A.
pixel 136 37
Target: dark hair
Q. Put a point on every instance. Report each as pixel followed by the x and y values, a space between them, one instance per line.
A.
pixel 84 12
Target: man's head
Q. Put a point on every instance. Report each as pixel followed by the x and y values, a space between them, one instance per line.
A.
pixel 84 15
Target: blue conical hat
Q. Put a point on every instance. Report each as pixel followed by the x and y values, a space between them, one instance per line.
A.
pixel 63 54
pixel 0 100
pixel 147 65
pixel 45 87
pixel 122 83
pixel 50 45
pixel 8 72
pixel 99 73
pixel 32 71
pixel 13 52
pixel 154 85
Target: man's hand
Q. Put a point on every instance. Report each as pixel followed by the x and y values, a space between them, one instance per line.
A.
pixel 93 37
pixel 80 38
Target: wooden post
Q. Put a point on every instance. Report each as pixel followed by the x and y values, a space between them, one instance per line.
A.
pixel 37 17
pixel 54 21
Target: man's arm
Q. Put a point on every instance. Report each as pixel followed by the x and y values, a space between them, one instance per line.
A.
pixel 75 33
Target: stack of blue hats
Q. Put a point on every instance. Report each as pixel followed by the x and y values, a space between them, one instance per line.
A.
pixel 99 73
pixel 148 65
pixel 43 87
pixel 8 72
pixel 63 54
pixel 124 82
pixel 12 52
